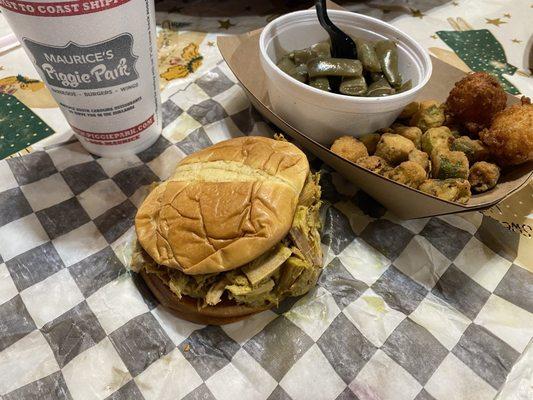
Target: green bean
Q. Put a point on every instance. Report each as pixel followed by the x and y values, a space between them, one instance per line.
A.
pixel 300 73
pixel 318 50
pixel 388 58
pixel 353 86
pixel 405 86
pixel 368 56
pixel 375 73
pixel 376 76
pixel 380 88
pixel 335 67
pixel 322 49
pixel 320 83
pixel 304 55
pixel 288 66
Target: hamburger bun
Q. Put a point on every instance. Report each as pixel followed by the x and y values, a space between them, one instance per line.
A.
pixel 224 206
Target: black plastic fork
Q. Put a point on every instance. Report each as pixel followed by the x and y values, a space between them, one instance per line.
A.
pixel 342 45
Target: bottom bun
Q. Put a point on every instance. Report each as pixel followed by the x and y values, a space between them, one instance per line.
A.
pixel 186 308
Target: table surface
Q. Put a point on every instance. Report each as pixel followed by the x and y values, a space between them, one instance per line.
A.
pixel 432 308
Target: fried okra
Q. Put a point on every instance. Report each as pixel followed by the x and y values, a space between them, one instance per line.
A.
pixel 421 158
pixel 349 148
pixel 457 190
pixel 436 138
pixel 447 164
pixel 473 149
pixel 409 110
pixel 374 163
pixel 370 140
pixel 455 131
pixel 394 148
pixel 413 133
pixel 483 176
pixel 425 104
pixel 409 173
pixel 381 131
pixel 429 115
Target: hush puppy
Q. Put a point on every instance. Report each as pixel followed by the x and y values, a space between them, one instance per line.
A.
pixel 483 176
pixel 394 148
pixel 510 137
pixel 349 148
pixel 474 100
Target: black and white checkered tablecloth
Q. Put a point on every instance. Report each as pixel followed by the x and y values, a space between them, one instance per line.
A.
pixel 423 309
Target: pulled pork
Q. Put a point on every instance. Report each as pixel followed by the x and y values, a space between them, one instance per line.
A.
pixel 290 268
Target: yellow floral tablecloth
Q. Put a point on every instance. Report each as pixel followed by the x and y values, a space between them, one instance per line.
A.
pixel 188 35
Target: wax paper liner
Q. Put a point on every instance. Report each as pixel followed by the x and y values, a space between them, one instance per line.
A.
pixel 436 307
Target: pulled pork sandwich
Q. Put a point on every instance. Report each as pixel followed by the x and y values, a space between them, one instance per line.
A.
pixel 233 232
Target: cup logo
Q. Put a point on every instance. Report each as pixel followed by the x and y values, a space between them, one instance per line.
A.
pixel 84 67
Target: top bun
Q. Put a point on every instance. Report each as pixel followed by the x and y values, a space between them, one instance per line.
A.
pixel 224 206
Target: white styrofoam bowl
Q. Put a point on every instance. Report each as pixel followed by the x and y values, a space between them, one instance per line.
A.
pixel 325 116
